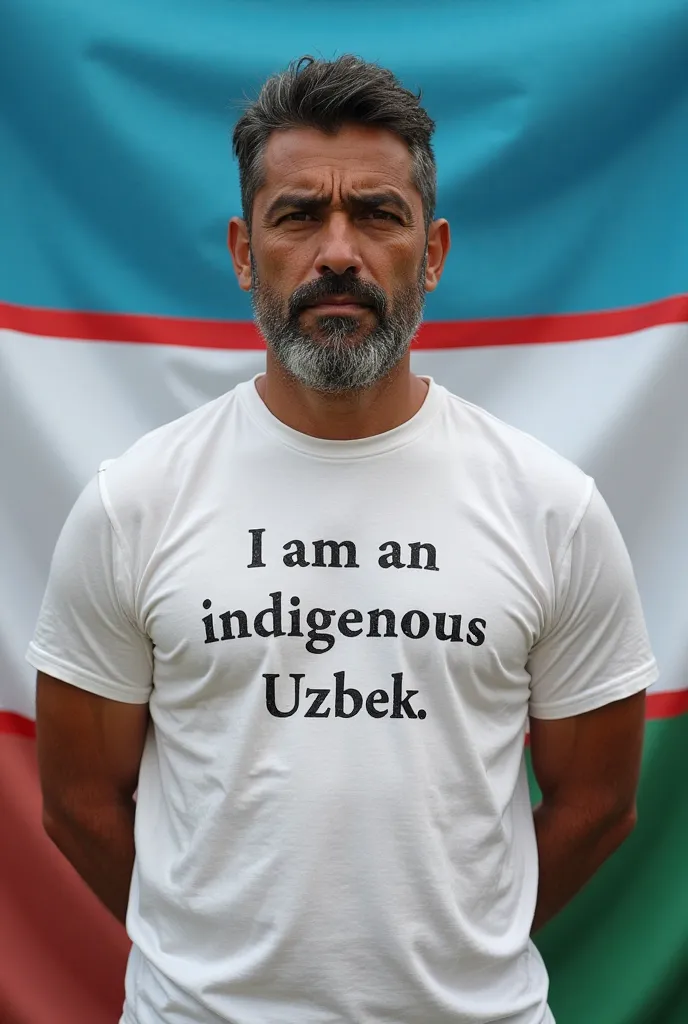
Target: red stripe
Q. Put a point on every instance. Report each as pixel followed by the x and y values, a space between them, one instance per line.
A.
pixel 16 725
pixel 670 704
pixel 436 334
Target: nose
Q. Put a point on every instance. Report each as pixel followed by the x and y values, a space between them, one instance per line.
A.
pixel 338 250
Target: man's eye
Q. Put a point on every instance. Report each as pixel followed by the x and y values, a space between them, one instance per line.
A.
pixel 383 215
pixel 302 216
pixel 297 215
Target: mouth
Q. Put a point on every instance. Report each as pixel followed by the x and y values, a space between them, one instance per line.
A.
pixel 338 305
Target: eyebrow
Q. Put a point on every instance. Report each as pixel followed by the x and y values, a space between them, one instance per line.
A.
pixel 307 202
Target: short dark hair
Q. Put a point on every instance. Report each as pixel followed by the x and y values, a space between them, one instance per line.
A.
pixel 327 95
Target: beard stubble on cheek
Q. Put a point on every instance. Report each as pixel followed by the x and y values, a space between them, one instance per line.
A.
pixel 341 353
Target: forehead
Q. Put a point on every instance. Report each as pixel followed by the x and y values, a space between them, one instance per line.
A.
pixel 358 156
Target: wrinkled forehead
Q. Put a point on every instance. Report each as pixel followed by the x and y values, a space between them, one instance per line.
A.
pixel 356 158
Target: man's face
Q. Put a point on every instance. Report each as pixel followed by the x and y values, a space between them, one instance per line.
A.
pixel 338 263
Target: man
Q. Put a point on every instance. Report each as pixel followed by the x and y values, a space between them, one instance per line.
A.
pixel 311 621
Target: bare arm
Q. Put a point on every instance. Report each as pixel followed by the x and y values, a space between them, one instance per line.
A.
pixel 588 769
pixel 89 752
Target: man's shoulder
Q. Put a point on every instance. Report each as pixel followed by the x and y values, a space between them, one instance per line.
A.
pixel 516 459
pixel 151 471
pixel 162 446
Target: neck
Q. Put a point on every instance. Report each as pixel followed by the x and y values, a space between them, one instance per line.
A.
pixel 348 415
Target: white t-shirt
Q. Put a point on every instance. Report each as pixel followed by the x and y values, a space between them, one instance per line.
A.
pixel 341 643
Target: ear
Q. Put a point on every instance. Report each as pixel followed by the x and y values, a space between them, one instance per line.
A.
pixel 239 246
pixel 439 243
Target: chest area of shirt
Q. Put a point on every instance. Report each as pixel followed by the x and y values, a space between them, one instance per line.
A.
pixel 362 604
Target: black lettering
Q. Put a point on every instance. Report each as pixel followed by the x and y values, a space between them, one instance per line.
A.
pixel 257 552
pixel 392 558
pixel 335 554
pixel 270 702
pixel 314 709
pixel 340 693
pixel 295 616
pixel 240 616
pixel 375 622
pixel 276 612
pixel 318 619
pixel 398 703
pixel 407 623
pixel 476 635
pixel 297 556
pixel 345 620
pixel 441 629
pixel 430 561
pixel 377 697
pixel 207 621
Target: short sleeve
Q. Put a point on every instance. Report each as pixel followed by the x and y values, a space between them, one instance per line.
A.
pixel 86 634
pixel 597 651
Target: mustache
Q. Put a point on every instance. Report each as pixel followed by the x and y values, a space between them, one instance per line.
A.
pixel 324 288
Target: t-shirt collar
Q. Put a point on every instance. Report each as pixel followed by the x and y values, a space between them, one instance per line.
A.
pixel 326 448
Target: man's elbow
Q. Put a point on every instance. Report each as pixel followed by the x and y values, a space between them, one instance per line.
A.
pixel 617 825
pixel 628 821
pixel 62 824
pixel 54 827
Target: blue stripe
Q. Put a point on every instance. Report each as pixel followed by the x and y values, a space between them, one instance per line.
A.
pixel 562 145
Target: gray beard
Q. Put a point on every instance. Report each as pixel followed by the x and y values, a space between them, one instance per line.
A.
pixel 334 362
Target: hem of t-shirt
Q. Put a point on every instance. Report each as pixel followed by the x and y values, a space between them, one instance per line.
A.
pixel 42 661
pixel 625 686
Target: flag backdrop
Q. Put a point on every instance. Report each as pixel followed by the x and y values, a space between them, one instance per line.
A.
pixel 562 145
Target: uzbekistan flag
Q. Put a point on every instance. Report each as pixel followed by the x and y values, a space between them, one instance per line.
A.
pixel 562 149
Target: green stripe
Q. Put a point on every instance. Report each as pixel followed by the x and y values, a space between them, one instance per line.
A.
pixel 619 953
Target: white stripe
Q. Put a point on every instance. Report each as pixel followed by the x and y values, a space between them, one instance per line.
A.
pixel 617 407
